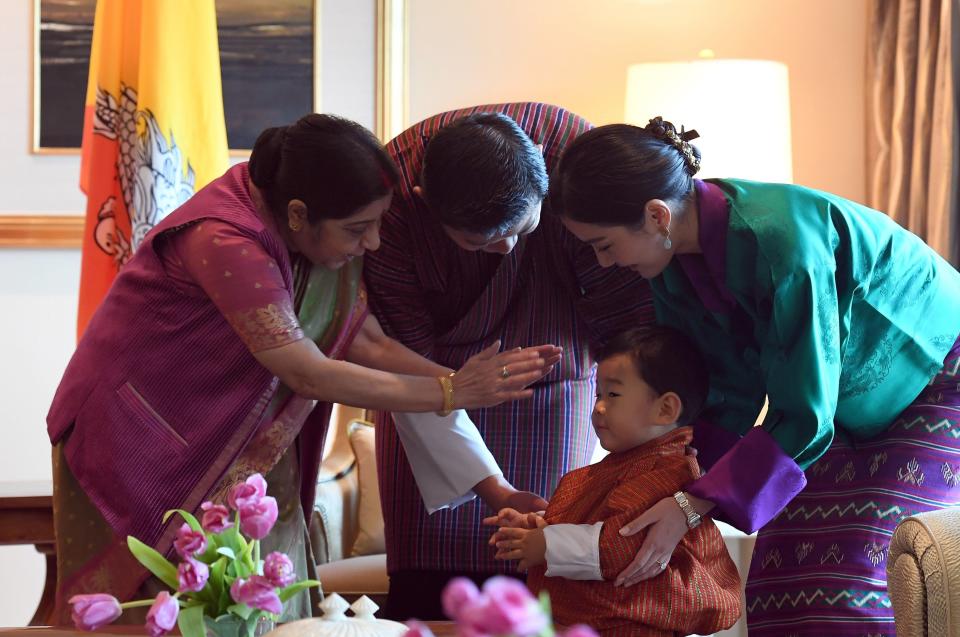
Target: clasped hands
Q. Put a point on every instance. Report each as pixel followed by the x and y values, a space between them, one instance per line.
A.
pixel 520 536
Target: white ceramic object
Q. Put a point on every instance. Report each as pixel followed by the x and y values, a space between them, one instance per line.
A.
pixel 335 622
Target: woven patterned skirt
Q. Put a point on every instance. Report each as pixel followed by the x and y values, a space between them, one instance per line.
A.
pixel 819 568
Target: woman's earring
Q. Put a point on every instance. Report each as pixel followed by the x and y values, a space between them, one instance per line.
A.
pixel 667 243
pixel 295 226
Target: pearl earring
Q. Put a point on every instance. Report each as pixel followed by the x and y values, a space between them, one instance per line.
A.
pixel 667 243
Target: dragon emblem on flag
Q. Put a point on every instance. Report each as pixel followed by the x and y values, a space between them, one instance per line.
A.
pixel 149 168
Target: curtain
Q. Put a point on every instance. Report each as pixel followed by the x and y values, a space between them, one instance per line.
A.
pixel 912 117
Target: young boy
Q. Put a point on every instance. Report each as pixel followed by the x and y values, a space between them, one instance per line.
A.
pixel 649 383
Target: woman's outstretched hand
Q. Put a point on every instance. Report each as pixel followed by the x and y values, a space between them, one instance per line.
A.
pixel 551 355
pixel 490 378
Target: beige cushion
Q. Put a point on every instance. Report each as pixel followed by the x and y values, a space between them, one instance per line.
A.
pixel 370 539
pixel 923 574
pixel 364 575
pixel 333 527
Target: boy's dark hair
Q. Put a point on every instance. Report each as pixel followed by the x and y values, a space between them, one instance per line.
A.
pixel 481 173
pixel 666 360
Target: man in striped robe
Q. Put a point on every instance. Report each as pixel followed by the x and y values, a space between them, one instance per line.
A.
pixel 466 258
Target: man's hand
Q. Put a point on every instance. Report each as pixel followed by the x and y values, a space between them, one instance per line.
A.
pixel 526 501
pixel 499 494
pixel 527 545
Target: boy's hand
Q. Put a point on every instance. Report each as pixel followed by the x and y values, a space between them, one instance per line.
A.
pixel 527 545
pixel 514 519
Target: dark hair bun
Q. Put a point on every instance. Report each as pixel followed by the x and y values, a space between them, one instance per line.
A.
pixel 265 158
pixel 330 164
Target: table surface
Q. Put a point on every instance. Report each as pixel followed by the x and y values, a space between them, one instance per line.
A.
pixel 440 629
pixel 25 493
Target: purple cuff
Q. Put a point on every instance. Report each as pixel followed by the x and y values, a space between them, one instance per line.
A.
pixel 711 442
pixel 751 483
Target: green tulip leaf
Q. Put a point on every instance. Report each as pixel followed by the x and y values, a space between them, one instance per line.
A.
pixel 191 623
pixel 190 519
pixel 251 624
pixel 241 610
pixel 154 562
pixel 289 591
pixel 546 608
pixel 225 550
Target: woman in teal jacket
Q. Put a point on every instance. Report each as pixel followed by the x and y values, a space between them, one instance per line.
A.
pixel 843 320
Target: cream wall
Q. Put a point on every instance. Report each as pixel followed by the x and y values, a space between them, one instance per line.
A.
pixel 37 297
pixel 575 53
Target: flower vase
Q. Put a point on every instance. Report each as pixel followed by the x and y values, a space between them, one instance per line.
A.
pixel 231 625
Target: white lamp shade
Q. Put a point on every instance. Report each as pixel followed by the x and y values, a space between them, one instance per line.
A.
pixel 741 108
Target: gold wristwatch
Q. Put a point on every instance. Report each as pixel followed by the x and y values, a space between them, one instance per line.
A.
pixel 693 518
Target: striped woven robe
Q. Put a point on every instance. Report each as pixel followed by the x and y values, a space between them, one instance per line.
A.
pixel 448 304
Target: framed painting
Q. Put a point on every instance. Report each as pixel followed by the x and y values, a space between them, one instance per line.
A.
pixel 268 61
pixel 364 78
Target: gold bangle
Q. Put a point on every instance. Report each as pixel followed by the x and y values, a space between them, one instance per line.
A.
pixel 446 384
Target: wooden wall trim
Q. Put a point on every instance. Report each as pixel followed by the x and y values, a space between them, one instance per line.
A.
pixel 41 231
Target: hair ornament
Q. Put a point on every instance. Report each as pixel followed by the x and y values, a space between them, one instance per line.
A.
pixel 668 133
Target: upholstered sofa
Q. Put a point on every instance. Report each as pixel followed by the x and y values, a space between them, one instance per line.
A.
pixel 923 574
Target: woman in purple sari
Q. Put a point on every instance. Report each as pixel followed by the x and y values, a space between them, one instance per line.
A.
pixel 219 348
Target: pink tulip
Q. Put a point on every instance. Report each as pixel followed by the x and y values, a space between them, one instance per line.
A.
pixel 162 616
pixel 417 629
pixel 257 518
pixel 193 575
pixel 256 592
pixel 506 607
pixel 90 612
pixel 216 517
pixel 580 630
pixel 458 593
pixel 247 492
pixel 279 569
pixel 189 542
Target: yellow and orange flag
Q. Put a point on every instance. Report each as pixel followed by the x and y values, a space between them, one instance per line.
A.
pixel 153 128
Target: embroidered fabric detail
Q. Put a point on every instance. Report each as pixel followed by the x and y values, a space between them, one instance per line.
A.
pixel 266 327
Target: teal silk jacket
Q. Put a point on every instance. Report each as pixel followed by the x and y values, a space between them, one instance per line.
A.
pixel 837 314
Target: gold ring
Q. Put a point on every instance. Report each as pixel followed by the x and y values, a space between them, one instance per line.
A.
pixel 504 373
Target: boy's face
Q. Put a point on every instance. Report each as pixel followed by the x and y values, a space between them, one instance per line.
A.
pixel 629 412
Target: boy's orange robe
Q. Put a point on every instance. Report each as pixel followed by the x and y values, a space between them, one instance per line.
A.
pixel 699 592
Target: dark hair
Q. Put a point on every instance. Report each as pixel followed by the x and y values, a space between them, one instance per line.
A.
pixel 666 360
pixel 333 165
pixel 481 173
pixel 607 175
